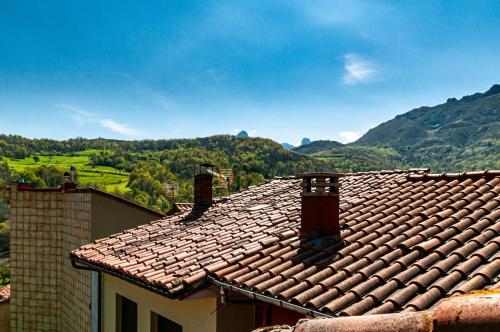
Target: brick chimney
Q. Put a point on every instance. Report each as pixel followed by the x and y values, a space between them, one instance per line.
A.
pixel 203 176
pixel 69 183
pixel 320 204
pixel 22 184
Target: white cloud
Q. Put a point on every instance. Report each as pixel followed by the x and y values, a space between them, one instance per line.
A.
pixel 82 117
pixel 117 127
pixel 349 136
pixel 358 70
pixel 78 116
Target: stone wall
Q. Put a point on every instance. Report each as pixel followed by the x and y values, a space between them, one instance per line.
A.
pixel 47 294
pixel 75 291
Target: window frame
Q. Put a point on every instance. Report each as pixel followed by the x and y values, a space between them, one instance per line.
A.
pixel 120 299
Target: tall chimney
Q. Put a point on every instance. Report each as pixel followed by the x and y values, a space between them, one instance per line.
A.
pixel 203 176
pixel 320 204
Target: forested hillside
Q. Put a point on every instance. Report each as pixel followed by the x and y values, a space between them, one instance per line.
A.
pixel 151 167
pixel 455 136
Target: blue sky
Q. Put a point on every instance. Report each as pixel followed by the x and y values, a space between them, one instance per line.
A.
pixel 279 69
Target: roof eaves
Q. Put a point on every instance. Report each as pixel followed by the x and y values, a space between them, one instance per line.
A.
pixel 268 299
pixel 86 265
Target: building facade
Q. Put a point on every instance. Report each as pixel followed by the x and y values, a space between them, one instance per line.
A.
pixel 47 294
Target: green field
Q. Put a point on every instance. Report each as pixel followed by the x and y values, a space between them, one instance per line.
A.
pixel 108 177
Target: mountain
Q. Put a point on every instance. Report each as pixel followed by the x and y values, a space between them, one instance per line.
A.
pixel 305 141
pixel 318 148
pixel 457 135
pixel 352 158
pixel 287 146
pixel 242 134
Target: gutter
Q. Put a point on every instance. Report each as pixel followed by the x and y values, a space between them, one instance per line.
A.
pixel 268 299
pixel 84 265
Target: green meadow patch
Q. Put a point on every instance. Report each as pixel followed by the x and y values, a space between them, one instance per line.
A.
pixel 104 177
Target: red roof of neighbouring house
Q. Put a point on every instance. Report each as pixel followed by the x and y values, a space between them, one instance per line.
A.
pixel 478 311
pixel 5 293
pixel 409 239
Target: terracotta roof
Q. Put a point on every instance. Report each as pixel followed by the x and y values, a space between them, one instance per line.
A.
pixel 5 293
pixel 479 311
pixel 409 239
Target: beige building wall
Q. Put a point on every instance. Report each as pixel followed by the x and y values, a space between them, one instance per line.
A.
pixel 195 315
pixel 110 216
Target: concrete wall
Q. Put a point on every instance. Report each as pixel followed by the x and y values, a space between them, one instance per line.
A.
pixel 110 216
pixel 193 314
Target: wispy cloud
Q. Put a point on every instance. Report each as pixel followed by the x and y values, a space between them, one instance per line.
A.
pixel 78 116
pixel 117 127
pixel 358 70
pixel 349 136
pixel 82 117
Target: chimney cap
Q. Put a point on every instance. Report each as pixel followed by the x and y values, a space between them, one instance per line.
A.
pixel 320 174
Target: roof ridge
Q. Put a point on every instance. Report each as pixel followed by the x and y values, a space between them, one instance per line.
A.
pixel 391 171
pixel 451 175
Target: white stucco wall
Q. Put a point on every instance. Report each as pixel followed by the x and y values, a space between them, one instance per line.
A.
pixel 195 315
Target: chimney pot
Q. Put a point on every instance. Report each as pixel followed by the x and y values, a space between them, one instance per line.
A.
pixel 320 203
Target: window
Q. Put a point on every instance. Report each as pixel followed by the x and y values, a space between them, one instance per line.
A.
pixel 126 314
pixel 162 324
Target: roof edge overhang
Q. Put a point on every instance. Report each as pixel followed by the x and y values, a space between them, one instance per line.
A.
pixel 268 299
pixel 80 264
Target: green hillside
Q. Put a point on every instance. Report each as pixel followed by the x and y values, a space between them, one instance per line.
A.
pixel 145 170
pixel 352 158
pixel 457 135
pixel 104 177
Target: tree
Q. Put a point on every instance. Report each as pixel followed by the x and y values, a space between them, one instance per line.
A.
pixel 32 179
